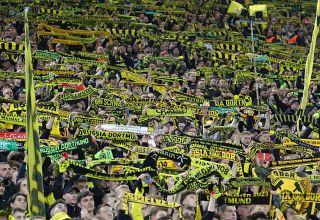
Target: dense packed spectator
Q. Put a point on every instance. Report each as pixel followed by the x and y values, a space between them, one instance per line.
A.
pixel 195 76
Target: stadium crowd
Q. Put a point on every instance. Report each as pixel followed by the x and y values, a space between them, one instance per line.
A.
pixel 195 76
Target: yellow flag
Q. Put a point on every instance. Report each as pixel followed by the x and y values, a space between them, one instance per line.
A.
pixel 310 58
pixel 36 199
pixel 309 65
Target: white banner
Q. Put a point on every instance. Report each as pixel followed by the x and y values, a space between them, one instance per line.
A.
pixel 123 128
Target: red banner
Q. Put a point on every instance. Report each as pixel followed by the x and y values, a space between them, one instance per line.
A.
pixel 13 135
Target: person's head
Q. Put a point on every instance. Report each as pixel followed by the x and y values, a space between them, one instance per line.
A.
pixel 82 183
pixel 18 200
pixel 223 84
pixel 192 77
pixel 188 199
pixel 109 199
pixel 58 206
pixel 22 97
pixel 264 92
pixel 198 93
pixel 104 212
pixel 22 186
pixel 59 47
pixel 256 208
pixel 136 89
pixel 121 189
pixel 70 194
pixel 7 93
pixel 112 185
pixel 245 90
pixel 264 137
pixel 17 82
pixel 113 81
pixel 85 201
pixel 228 212
pixel 259 216
pixel 15 165
pixel 175 52
pixel 243 211
pixel 18 214
pixel 294 105
pixel 245 138
pixel 157 212
pixel 289 213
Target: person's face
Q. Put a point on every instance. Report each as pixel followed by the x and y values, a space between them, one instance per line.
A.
pixel 190 200
pixel 60 207
pixel 112 185
pixel 229 213
pixel 20 202
pixel 243 211
pixel 136 90
pixel 285 101
pixel 122 50
pixel 8 94
pixel 290 213
pixel 40 65
pixel 175 52
pixel 213 82
pixel 202 84
pixel 192 77
pixel 244 90
pixel 246 139
pixel 198 92
pixel 2 188
pixel 13 32
pixel 7 33
pixel 24 187
pixel 110 201
pixel 105 213
pixel 82 186
pixel 223 83
pixel 295 106
pixel 59 48
pixel 5 171
pixel 87 203
pixel 19 216
pixel 265 138
pixel 71 197
pixel 22 97
pixel 18 39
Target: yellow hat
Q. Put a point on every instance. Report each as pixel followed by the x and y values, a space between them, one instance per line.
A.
pixel 60 216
